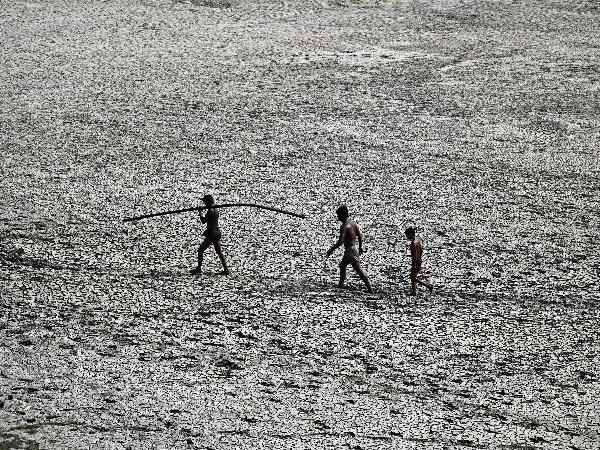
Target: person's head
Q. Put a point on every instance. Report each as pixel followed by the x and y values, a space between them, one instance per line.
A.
pixel 342 213
pixel 410 233
pixel 208 200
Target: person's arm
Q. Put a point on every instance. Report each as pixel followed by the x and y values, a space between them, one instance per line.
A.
pixel 413 255
pixel 360 240
pixel 202 217
pixel 209 217
pixel 339 242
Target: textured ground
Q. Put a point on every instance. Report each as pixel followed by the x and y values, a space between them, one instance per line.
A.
pixel 476 121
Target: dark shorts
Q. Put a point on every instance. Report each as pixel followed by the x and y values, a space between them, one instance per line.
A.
pixel 351 254
pixel 212 236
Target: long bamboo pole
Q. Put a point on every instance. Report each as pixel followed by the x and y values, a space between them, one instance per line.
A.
pixel 224 205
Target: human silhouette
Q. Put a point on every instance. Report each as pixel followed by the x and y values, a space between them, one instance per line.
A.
pixel 212 235
pixel 349 234
pixel 416 253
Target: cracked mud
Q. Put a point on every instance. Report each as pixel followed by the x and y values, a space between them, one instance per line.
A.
pixel 476 121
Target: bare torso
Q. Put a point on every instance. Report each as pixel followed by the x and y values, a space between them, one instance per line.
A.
pixel 416 250
pixel 212 219
pixel 350 232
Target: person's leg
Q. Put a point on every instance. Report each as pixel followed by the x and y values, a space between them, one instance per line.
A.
pixel 413 282
pixel 361 273
pixel 205 244
pixel 343 266
pixel 219 250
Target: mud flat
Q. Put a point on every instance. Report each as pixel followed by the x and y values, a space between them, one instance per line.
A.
pixel 476 121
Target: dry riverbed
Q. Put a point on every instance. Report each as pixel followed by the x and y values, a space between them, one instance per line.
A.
pixel 475 121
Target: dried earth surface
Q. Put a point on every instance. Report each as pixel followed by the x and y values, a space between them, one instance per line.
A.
pixel 478 121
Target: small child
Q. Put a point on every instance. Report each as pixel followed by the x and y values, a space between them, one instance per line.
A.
pixel 416 252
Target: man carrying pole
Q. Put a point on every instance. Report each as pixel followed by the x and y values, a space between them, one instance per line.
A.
pixel 349 234
pixel 212 235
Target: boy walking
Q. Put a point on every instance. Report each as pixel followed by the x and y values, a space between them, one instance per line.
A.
pixel 349 234
pixel 212 235
pixel 416 252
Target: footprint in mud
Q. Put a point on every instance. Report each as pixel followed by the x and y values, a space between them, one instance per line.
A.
pixel 279 343
pixel 321 425
pixel 324 353
pixel 371 368
pixel 229 366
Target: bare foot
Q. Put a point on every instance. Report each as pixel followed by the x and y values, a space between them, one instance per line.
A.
pixel 224 272
pixel 196 271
